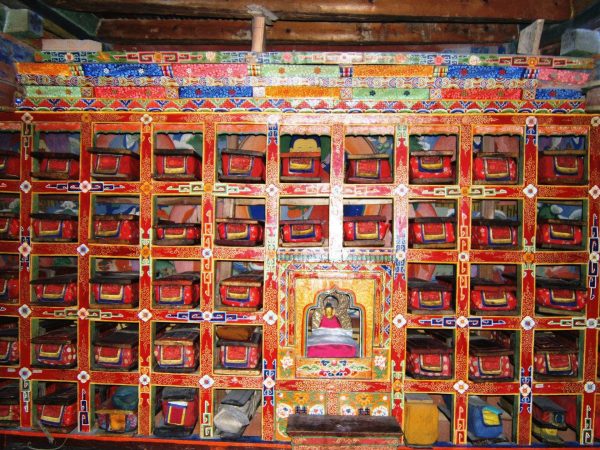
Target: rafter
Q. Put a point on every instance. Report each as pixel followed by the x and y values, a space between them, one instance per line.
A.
pixel 189 31
pixel 340 10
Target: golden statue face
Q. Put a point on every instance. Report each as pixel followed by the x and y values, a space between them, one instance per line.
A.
pixel 305 145
pixel 329 311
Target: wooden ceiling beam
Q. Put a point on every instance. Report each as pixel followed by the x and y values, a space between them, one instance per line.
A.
pixel 339 10
pixel 190 31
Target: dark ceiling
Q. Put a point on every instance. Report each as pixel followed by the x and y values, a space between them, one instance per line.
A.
pixel 335 24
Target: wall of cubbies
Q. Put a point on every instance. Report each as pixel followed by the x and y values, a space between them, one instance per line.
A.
pixel 526 202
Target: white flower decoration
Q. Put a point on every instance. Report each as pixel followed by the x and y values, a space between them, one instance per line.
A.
pixel 82 314
pixel 287 362
pixel 25 186
pixel 591 323
pixel 145 315
pixel 316 410
pixel 595 192
pixel 589 387
pixel 146 119
pixel 336 190
pixel 401 190
pixel 462 322
pixel 399 321
pixel 401 255
pixel 273 119
pixel 24 311
pixel 380 411
pixel 461 387
pixel 272 190
pixel 207 316
pixel 24 249
pixel 144 380
pixel 463 256
pixel 83 377
pixel 206 252
pixel 380 362
pixel 474 60
pixel 270 317
pixel 206 381
pixel 269 383
pixel 595 121
pixel 83 249
pixel 85 186
pixel 531 121
pixel 27 118
pixel 594 257
pixel 530 191
pixel 527 323
pixel 525 390
pixel 283 411
pixel 24 373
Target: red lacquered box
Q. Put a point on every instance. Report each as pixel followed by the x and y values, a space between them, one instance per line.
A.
pixel 9 286
pixel 553 295
pixel 171 233
pixel 9 346
pixel 9 165
pixel 244 290
pixel 116 289
pixel 115 164
pixel 488 360
pixel 239 232
pixel 561 167
pixel 116 229
pixel 432 232
pixel 308 233
pixel 559 234
pixel 243 166
pixel 495 168
pixel 494 233
pixel 56 349
pixel 428 358
pixel 555 356
pixel 10 406
pixel 181 290
pixel 430 295
pixel 177 165
pixel 176 349
pixel 240 354
pixel 369 169
pixel 300 166
pixel 431 167
pixel 60 290
pixel 487 295
pixel 117 350
pixel 54 227
pixel 9 226
pixel 367 231
pixel 58 410
pixel 179 412
pixel 56 166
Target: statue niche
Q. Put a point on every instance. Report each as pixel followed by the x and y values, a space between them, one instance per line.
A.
pixel 333 326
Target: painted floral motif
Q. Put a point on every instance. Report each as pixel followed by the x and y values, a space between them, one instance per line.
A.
pixel 380 411
pixel 283 410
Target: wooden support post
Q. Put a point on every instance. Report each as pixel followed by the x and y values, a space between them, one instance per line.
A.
pixel 258 33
